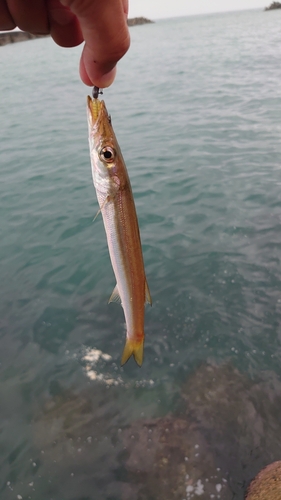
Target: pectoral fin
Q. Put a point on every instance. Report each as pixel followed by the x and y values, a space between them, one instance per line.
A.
pixel 132 347
pixel 107 199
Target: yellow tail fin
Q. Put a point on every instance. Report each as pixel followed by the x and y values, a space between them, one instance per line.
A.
pixel 132 347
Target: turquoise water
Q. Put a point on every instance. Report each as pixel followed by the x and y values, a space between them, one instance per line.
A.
pixel 196 108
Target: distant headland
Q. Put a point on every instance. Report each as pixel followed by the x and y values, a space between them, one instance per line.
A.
pixel 138 20
pixel 21 36
pixel 274 5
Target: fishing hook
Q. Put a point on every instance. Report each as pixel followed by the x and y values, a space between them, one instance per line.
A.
pixel 96 92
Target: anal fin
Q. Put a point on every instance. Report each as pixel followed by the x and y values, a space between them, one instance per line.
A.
pixel 115 297
pixel 148 299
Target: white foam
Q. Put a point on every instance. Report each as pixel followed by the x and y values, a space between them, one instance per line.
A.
pixel 199 488
pixel 93 356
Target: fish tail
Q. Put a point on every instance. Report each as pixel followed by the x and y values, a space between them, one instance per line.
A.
pixel 135 348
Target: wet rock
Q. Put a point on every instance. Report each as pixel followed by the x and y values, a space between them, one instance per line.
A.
pixel 267 484
pixel 169 459
pixel 238 417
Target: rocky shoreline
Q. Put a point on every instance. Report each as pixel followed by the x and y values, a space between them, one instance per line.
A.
pixel 21 36
pixel 17 36
pixel 273 6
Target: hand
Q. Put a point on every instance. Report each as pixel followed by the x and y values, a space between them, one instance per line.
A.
pixel 102 24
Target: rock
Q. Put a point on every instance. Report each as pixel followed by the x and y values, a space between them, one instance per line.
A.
pixel 273 6
pixel 238 417
pixel 267 484
pixel 169 459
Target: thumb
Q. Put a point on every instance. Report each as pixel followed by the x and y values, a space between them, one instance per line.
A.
pixel 104 27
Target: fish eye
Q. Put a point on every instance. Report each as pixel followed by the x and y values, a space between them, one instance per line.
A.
pixel 107 154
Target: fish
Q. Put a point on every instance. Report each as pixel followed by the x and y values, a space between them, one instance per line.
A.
pixel 117 206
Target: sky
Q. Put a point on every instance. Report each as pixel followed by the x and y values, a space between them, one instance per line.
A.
pixel 157 9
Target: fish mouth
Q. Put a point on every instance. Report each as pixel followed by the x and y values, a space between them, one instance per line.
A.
pixel 95 108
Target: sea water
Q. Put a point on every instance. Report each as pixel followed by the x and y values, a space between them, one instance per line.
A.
pixel 196 107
